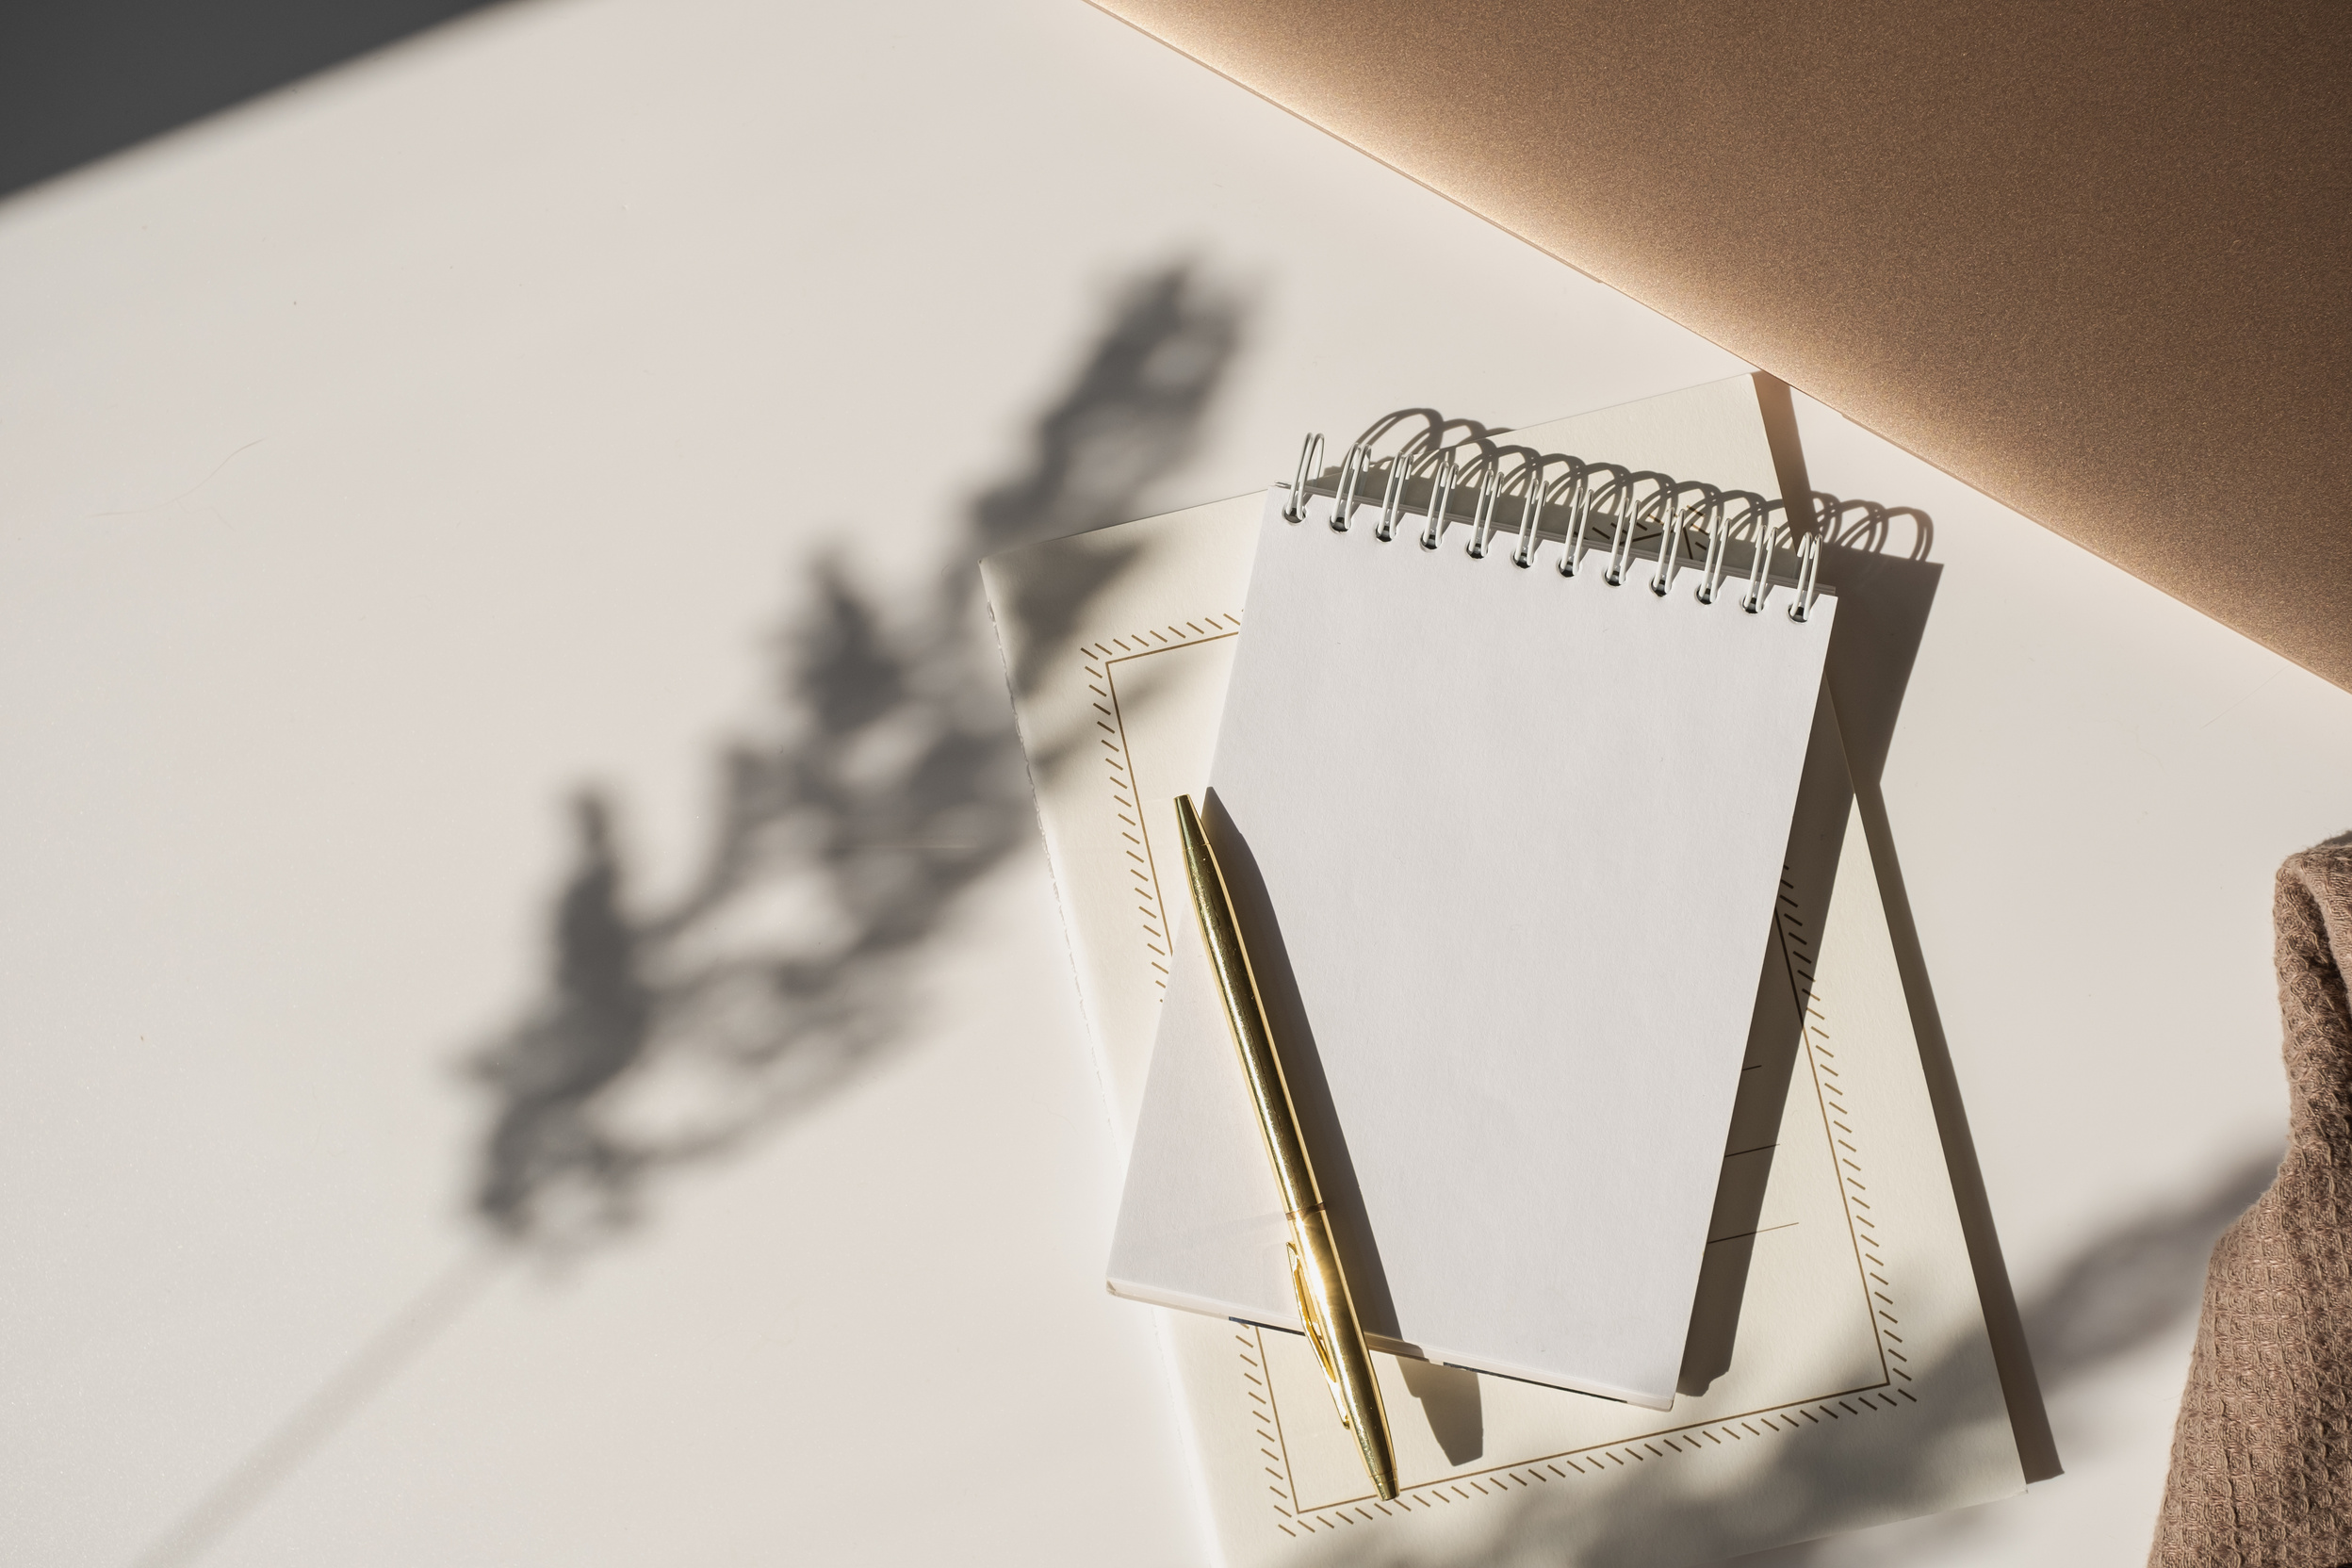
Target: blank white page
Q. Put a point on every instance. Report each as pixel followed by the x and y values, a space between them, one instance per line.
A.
pixel 1520 837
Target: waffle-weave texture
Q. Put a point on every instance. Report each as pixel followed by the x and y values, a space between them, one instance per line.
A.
pixel 2262 1460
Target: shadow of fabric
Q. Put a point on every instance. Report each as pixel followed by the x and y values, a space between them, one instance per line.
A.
pixel 891 782
pixel 2138 1279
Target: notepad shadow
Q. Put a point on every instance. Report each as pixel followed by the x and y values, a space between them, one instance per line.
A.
pixel 1738 1218
pixel 1775 1032
pixel 1884 601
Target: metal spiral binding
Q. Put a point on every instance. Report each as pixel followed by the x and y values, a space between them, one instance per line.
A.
pixel 1668 511
pixel 1634 499
pixel 1809 550
pixel 1392 497
pixel 1344 503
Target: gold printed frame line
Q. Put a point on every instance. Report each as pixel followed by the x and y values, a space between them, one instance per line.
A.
pixel 1255 1340
pixel 1795 1415
pixel 1119 761
pixel 1844 1154
pixel 1598 1458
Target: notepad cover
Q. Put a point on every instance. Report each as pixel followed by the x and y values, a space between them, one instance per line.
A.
pixel 1514 839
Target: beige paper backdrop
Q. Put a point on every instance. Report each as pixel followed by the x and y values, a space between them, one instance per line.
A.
pixel 2090 259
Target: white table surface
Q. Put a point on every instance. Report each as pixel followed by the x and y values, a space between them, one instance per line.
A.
pixel 390 457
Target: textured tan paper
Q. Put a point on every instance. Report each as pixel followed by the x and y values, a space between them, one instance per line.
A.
pixel 2090 259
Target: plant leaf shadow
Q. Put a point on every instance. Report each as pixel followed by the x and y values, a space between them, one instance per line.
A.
pixel 888 781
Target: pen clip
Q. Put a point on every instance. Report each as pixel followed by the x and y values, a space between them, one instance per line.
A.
pixel 1313 1320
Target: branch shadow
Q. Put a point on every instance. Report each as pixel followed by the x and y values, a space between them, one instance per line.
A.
pixel 889 781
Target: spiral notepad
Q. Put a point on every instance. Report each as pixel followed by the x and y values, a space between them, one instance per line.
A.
pixel 1507 764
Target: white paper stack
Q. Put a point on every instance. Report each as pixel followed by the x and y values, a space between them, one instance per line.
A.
pixel 1514 839
pixel 1838 1373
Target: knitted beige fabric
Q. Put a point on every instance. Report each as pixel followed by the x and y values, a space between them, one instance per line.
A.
pixel 2261 1460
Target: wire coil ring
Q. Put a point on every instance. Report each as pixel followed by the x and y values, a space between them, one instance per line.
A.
pixel 1441 496
pixel 1808 577
pixel 1310 463
pixel 1344 500
pixel 1532 508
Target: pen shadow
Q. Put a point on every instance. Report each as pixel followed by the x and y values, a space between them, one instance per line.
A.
pixel 884 781
pixel 1450 1401
pixel 1302 1073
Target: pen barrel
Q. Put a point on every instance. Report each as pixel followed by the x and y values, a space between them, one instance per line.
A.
pixel 1347 1359
pixel 1244 1015
pixel 1324 1300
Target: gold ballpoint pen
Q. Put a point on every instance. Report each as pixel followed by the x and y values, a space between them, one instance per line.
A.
pixel 1324 1302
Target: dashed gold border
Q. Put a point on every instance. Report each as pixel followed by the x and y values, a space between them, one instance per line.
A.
pixel 1100 661
pixel 1597 1460
pixel 1126 813
pixel 1760 1425
pixel 1862 1225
